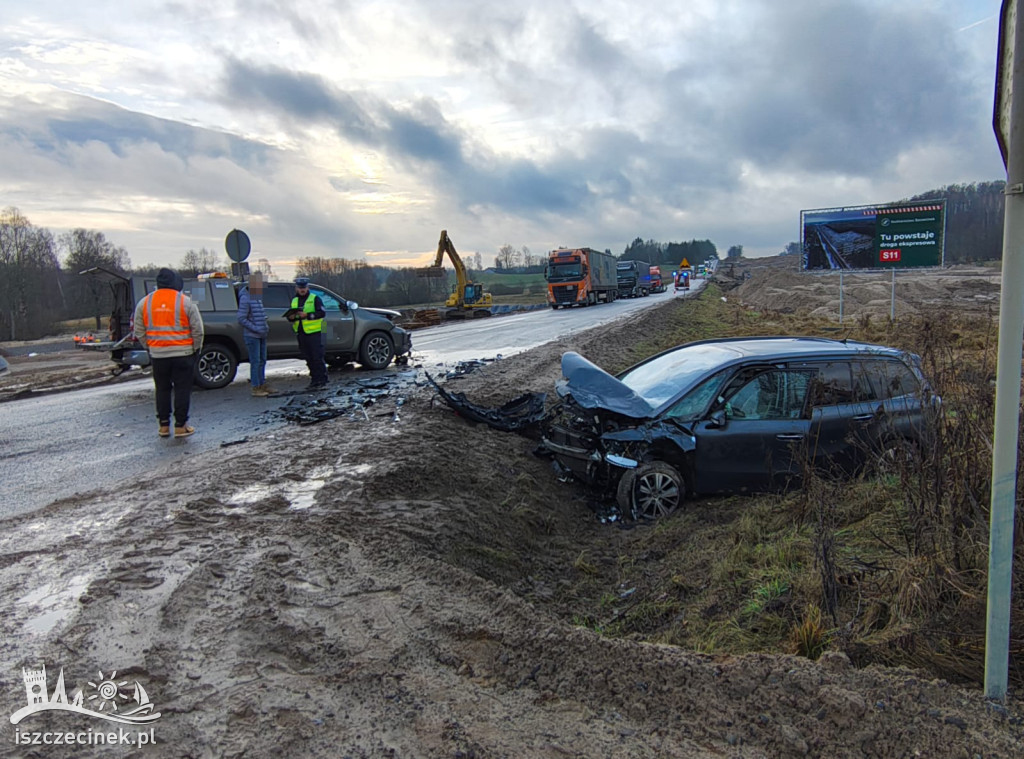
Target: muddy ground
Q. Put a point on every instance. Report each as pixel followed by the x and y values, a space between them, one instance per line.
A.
pixel 388 587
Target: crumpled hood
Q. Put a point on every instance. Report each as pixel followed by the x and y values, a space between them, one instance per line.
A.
pixel 594 388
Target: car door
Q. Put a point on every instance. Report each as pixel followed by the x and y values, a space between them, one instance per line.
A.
pixel 840 417
pixel 756 435
pixel 894 393
pixel 339 325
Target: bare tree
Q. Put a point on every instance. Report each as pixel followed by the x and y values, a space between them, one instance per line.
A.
pixel 508 257
pixel 88 249
pixel 29 278
pixel 196 262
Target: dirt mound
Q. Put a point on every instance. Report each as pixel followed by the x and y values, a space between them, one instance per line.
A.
pixel 969 289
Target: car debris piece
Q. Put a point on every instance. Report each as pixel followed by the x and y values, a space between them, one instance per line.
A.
pixel 517 414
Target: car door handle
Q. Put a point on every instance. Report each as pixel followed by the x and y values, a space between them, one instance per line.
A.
pixel 789 436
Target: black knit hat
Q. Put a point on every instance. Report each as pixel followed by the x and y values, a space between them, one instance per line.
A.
pixel 169 278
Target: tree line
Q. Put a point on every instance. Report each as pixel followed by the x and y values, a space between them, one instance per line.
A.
pixel 40 284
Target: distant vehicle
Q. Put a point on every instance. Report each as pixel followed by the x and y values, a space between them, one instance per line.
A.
pixel 469 298
pixel 580 276
pixel 735 415
pixel 634 279
pixel 366 335
pixel 657 284
pixel 4 366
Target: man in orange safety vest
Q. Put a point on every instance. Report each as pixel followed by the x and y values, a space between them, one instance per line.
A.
pixel 169 326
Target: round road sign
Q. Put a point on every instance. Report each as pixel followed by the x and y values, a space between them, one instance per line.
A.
pixel 238 246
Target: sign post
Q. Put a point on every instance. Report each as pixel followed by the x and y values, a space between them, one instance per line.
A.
pixel 1008 121
pixel 238 247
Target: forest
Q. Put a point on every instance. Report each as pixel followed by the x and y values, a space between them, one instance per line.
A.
pixel 40 285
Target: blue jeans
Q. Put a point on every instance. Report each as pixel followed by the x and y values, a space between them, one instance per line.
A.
pixel 257 348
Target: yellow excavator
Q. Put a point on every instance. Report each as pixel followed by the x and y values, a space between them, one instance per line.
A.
pixel 469 298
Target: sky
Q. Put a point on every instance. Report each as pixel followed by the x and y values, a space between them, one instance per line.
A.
pixel 362 129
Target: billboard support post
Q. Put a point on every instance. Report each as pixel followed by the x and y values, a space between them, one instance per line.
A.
pixel 892 298
pixel 840 296
pixel 1009 121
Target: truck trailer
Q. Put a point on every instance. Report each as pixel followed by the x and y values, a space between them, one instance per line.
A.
pixel 580 276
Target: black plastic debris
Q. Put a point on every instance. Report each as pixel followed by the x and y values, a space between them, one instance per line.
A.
pixel 350 399
pixel 518 414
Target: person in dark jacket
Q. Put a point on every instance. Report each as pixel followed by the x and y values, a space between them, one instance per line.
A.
pixel 253 319
pixel 307 315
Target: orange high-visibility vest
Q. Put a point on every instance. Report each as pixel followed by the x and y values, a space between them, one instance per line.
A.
pixel 166 320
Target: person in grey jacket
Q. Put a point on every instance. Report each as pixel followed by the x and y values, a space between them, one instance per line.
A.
pixel 253 319
pixel 169 326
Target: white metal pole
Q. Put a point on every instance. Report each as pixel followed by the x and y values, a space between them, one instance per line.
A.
pixel 1008 376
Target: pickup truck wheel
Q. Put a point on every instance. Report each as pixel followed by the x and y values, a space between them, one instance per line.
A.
pixel 376 351
pixel 652 490
pixel 216 367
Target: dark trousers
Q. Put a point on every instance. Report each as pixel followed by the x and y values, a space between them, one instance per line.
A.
pixel 312 349
pixel 173 376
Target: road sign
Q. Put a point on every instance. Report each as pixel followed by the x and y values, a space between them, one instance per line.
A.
pixel 1004 76
pixel 238 245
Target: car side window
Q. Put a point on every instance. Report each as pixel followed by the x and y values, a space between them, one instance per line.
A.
pixel 832 384
pixel 774 394
pixel 884 379
pixel 278 296
pixel 330 302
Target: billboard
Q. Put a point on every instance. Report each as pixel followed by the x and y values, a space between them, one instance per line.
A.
pixel 891 236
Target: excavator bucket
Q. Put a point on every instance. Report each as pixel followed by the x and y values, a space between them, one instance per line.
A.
pixel 431 271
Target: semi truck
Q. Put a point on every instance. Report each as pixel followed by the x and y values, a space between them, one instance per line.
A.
pixel 634 279
pixel 657 283
pixel 580 276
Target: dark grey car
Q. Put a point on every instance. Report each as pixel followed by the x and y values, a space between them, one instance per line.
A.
pixel 736 415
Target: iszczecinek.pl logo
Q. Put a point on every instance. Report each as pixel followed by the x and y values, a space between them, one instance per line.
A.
pixel 104 700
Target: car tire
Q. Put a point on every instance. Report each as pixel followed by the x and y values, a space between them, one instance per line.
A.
pixel 216 366
pixel 652 490
pixel 376 350
pixel 897 456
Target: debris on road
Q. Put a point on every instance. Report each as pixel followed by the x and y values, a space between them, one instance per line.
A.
pixel 518 414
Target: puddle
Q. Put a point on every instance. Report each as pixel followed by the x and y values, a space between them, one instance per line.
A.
pixel 303 494
pixel 57 603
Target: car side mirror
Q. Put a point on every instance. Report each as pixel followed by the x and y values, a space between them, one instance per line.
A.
pixel 717 419
pixel 351 305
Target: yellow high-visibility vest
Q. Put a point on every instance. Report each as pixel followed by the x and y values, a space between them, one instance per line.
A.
pixel 309 326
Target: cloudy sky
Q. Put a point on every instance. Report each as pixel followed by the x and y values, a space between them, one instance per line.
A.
pixel 361 129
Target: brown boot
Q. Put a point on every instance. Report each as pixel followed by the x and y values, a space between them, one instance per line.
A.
pixel 260 391
pixel 184 431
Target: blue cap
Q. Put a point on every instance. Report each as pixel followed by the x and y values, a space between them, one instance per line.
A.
pixel 302 281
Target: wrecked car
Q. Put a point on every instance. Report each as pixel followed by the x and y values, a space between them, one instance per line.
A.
pixel 736 415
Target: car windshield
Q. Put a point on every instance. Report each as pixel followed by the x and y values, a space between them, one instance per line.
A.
pixel 664 377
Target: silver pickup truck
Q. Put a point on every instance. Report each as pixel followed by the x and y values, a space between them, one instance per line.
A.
pixel 366 335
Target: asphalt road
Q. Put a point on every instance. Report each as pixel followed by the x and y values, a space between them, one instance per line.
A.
pixel 56 446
